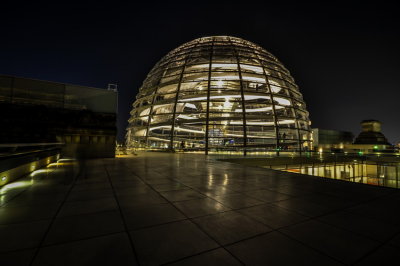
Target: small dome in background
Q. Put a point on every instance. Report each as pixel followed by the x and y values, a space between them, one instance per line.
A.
pixel 371 133
pixel 219 94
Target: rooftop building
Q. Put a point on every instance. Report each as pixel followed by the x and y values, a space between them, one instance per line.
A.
pixel 37 111
pixel 371 133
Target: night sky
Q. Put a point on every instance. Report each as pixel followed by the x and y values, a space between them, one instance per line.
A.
pixel 345 58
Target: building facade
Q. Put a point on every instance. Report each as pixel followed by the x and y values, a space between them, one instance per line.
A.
pixel 36 111
pixel 330 140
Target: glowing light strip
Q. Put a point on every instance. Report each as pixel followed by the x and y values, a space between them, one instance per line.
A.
pixel 145 112
pixel 248 110
pixel 190 105
pixel 246 97
pixel 178 129
pixel 252 68
pixel 251 123
pixel 251 136
pixel 262 123
pixel 275 89
pixel 186 117
pixel 281 101
pixel 40 171
pixel 246 78
pixel 15 185
pixel 202 132
pixel 264 109
pixel 231 67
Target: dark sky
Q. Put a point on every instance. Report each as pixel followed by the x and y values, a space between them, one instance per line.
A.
pixel 344 57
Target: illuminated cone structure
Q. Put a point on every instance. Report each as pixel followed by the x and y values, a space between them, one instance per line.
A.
pixel 219 94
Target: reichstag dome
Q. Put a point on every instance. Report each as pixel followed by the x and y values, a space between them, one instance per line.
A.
pixel 219 94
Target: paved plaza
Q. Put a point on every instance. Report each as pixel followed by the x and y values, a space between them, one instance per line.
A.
pixel 185 209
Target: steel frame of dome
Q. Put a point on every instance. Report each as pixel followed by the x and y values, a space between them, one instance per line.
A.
pixel 219 93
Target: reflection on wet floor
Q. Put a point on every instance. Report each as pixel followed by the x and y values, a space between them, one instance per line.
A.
pixel 160 208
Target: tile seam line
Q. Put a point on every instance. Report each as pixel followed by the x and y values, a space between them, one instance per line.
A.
pixel 212 238
pixel 373 250
pixel 312 248
pixel 191 256
pixel 357 233
pixel 82 239
pixel 317 220
pixel 75 178
pixel 240 192
pixel 121 214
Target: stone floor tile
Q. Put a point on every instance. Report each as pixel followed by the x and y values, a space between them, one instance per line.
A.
pixel 304 206
pixel 22 235
pixel 169 187
pixel 276 249
pixel 150 215
pixel 267 195
pixel 170 242
pixel 88 206
pixel 395 241
pixel 231 226
pixel 143 199
pixel 212 191
pixel 91 186
pixel 384 210
pixel 89 194
pixel 181 195
pixel 293 190
pixel 217 257
pixel 273 216
pixel 200 207
pixel 373 228
pixel 107 250
pixel 70 228
pixel 27 213
pixel 18 258
pixel 385 255
pixel 237 201
pixel 342 245
pixel 28 199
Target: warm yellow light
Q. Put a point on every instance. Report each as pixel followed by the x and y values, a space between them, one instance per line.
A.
pixel 263 123
pixel 252 68
pixel 59 164
pixel 65 160
pixel 14 185
pixel 40 171
pixel 186 117
pixel 246 97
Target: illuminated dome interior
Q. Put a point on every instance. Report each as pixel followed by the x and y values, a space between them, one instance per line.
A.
pixel 217 94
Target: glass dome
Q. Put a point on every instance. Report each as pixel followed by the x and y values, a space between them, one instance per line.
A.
pixel 217 94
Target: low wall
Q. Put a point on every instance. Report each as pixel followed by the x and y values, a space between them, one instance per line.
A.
pixel 16 167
